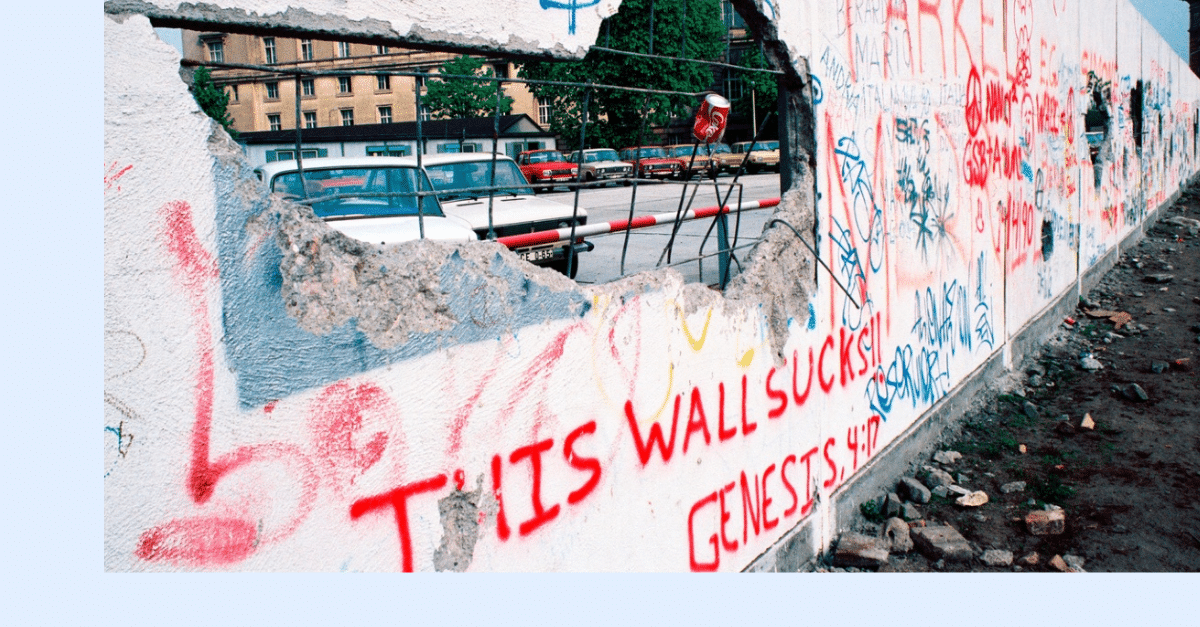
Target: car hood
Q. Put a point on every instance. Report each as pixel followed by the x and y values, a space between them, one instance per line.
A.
pixel 606 164
pixel 396 229
pixel 508 210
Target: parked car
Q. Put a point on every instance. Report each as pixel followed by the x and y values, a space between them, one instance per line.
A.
pixel 701 164
pixel 654 162
pixel 546 166
pixel 765 155
pixel 602 164
pixel 351 195
pixel 462 181
pixel 724 158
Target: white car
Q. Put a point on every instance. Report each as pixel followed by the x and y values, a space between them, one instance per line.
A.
pixel 602 164
pixel 372 199
pixel 462 181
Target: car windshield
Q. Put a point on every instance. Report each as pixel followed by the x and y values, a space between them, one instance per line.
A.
pixel 359 192
pixel 647 153
pixel 545 156
pixel 470 179
pixel 683 151
pixel 718 149
pixel 593 156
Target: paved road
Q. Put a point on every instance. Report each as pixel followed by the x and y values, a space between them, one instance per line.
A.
pixel 646 245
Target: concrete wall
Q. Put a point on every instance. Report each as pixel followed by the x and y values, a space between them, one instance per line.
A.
pixel 278 397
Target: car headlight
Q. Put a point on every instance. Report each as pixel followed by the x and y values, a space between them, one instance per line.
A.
pixel 547 172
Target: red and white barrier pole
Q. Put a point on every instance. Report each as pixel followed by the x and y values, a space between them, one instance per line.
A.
pixel 600 228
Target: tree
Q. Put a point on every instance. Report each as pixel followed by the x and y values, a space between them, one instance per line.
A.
pixel 760 90
pixel 213 100
pixel 615 118
pixel 464 98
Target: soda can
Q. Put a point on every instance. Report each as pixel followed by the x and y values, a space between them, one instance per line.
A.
pixel 710 119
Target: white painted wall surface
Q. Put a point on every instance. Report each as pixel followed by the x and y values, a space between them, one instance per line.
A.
pixel 253 423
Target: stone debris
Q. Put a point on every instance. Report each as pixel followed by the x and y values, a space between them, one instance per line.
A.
pixel 1013 486
pixel 895 534
pixel 1091 364
pixel 1075 562
pixel 1031 410
pixel 913 490
pixel 1035 380
pixel 859 551
pixel 974 499
pixel 1159 367
pixel 1087 422
pixel 942 542
pixel 935 477
pixel 1046 522
pixel 1030 559
pixel 1057 563
pixel 958 491
pixel 891 505
pixel 908 511
pixel 942 491
pixel 1064 428
pixel 1159 278
pixel 947 457
pixel 997 557
pixel 1184 364
pixel 1135 393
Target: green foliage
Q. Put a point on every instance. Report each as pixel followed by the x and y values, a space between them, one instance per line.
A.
pixel 870 511
pixel 213 100
pixel 1051 490
pixel 615 117
pixel 759 89
pixel 464 98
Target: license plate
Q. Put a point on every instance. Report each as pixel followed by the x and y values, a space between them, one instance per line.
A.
pixel 537 254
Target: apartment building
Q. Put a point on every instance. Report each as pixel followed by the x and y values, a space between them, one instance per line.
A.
pixel 266 100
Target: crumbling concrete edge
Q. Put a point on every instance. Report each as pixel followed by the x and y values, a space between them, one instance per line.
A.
pixel 797 550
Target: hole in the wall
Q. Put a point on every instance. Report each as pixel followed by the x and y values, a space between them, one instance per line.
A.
pixel 1136 112
pixel 1047 238
pixel 1097 123
pixel 356 89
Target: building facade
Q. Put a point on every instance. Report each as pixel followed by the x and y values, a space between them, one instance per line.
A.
pixel 266 101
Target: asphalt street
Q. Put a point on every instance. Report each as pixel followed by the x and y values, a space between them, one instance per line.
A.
pixel 646 245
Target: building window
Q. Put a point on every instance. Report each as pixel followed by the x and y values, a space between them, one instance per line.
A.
pixel 269 49
pixel 272 91
pixel 216 51
pixel 388 151
pixel 343 49
pixel 424 113
pixel 310 119
pixel 274 121
pixel 343 84
pixel 383 82
pixel 732 18
pixel 500 69
pixel 347 117
pixel 419 82
pixel 543 112
pixel 233 92
pixel 385 115
pixel 733 88
pixel 306 50
pixel 381 49
pixel 307 88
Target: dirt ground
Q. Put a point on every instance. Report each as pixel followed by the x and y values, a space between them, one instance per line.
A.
pixel 1128 486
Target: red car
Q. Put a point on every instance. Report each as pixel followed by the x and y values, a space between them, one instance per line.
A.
pixel 547 166
pixel 654 162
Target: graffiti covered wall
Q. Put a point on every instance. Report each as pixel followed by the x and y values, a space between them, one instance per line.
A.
pixel 279 397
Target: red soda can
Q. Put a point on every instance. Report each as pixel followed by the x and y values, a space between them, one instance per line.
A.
pixel 710 119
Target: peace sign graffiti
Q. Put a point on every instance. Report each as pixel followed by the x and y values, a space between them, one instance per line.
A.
pixel 974 112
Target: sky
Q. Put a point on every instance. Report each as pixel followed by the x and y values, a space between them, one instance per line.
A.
pixel 1168 17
